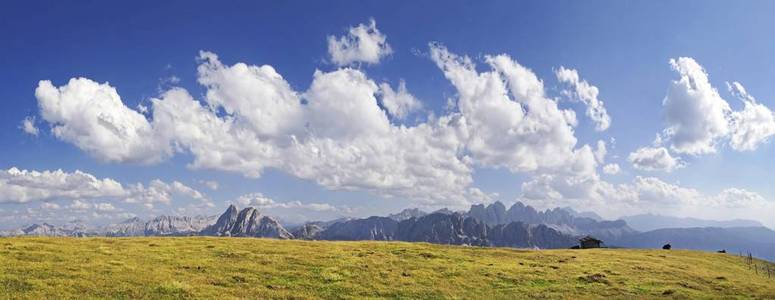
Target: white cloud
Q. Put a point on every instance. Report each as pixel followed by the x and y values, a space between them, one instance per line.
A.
pixel 600 152
pixel 738 198
pixel 654 159
pixel 79 205
pixel 698 119
pixel 641 195
pixel 254 120
pixel 694 111
pixel 358 154
pixel 318 145
pixel 255 97
pixel 587 94
pixel 20 186
pixel 751 126
pixel 28 126
pixel 344 94
pixel 49 206
pixel 510 121
pixel 261 202
pixel 611 169
pixel 92 117
pixel 161 192
pixel 210 184
pixel 104 207
pixel 398 103
pixel 84 189
pixel 363 43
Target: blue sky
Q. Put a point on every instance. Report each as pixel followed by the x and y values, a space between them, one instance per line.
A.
pixel 621 47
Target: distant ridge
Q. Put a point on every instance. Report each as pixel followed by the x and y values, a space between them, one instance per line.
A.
pixel 648 222
pixel 561 219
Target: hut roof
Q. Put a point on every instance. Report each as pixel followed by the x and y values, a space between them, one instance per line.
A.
pixel 589 238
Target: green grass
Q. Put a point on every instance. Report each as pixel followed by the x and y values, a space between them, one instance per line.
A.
pixel 198 267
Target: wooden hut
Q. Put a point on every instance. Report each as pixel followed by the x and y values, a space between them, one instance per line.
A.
pixel 588 242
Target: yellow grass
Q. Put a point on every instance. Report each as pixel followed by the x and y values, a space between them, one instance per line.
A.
pixel 198 267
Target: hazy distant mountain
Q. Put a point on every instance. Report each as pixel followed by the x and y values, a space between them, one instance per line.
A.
pixel 175 225
pixel 760 241
pixel 130 227
pixel 648 222
pixel 583 214
pixel 564 220
pixel 71 229
pixel 44 229
pixel 159 226
pixel 11 232
pixel 407 214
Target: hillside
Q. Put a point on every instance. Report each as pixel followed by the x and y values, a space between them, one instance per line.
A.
pixel 196 267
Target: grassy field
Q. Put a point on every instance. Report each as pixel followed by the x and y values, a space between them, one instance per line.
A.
pixel 263 268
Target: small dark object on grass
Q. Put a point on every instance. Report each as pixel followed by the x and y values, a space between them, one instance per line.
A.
pixel 594 278
pixel 667 246
pixel 722 251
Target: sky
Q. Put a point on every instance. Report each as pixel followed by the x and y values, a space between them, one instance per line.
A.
pixel 319 110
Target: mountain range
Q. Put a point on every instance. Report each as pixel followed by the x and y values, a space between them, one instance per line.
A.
pixel 519 226
pixel 648 222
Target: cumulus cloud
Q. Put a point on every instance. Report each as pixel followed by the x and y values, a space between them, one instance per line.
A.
pixel 363 43
pixel 210 184
pixel 161 192
pixel 751 126
pixel 20 186
pixel 93 117
pixel 84 189
pixel 79 205
pixel 587 94
pixel 698 119
pixel 654 159
pixel 642 194
pixel 255 96
pixel 49 206
pixel 510 121
pixel 261 202
pixel 398 103
pixel 611 169
pixel 318 145
pixel 694 111
pixel 29 127
pixel 104 207
pixel 252 120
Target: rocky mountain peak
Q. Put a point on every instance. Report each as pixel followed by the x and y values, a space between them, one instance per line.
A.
pixel 247 222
